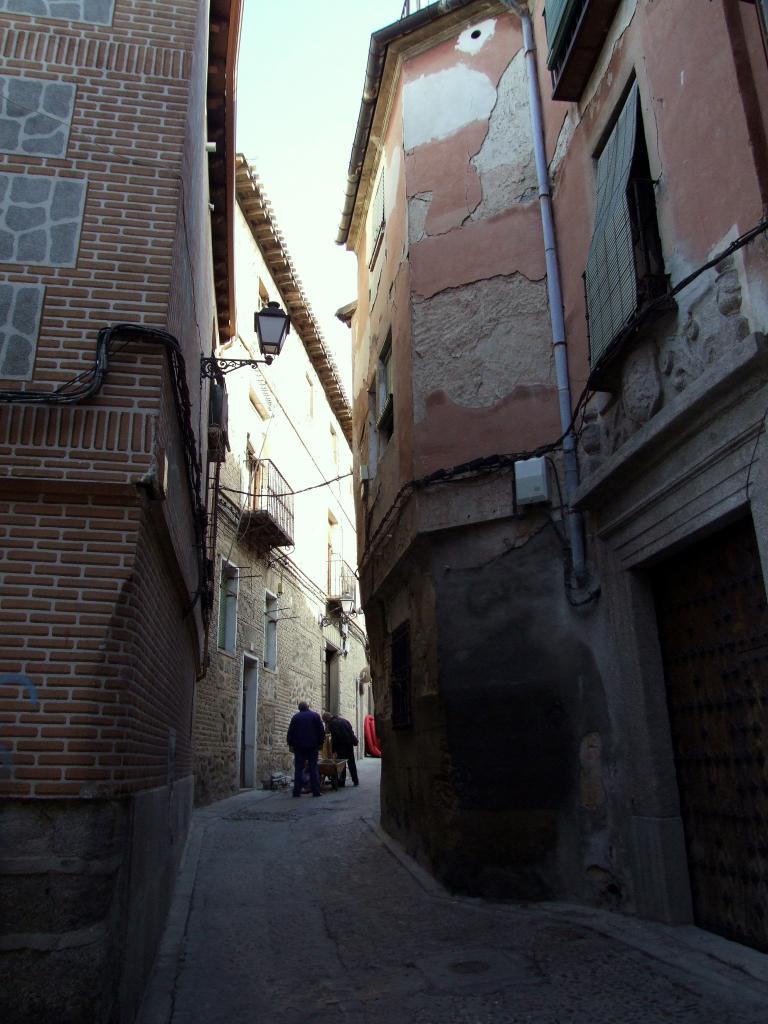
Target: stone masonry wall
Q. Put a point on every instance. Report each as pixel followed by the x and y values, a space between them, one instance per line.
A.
pixel 298 675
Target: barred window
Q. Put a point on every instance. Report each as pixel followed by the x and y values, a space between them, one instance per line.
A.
pixel 400 675
pixel 625 269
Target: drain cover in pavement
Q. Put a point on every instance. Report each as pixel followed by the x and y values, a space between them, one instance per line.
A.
pixel 488 970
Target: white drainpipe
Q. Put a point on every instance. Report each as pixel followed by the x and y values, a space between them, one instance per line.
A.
pixel 554 292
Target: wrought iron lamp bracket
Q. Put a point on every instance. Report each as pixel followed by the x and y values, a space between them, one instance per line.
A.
pixel 215 368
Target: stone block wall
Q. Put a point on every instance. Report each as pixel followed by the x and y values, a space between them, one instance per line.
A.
pixel 298 675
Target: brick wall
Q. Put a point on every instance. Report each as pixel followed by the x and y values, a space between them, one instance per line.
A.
pixel 100 603
pixel 127 141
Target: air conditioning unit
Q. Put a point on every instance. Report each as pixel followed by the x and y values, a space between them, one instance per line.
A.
pixel 531 481
pixel 218 423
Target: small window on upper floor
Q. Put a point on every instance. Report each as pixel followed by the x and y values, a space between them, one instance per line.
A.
pixel 762 17
pixel 385 415
pixel 576 33
pixel 334 447
pixel 376 221
pixel 625 267
pixel 310 397
pixel 270 630
pixel 228 589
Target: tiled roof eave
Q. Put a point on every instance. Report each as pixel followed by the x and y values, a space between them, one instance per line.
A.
pixel 258 213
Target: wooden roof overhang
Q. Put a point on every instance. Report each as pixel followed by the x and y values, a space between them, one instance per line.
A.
pixel 257 211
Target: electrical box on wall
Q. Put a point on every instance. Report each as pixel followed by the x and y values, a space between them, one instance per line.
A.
pixel 531 481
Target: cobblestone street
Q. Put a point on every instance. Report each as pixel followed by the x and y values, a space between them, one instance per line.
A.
pixel 302 912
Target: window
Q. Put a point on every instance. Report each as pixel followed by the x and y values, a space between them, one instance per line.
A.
pixel 762 17
pixel 270 631
pixel 333 550
pixel 228 587
pixel 400 675
pixel 576 32
pixel 376 222
pixel 331 680
pixel 625 269
pixel 384 397
pixel 334 447
pixel 310 397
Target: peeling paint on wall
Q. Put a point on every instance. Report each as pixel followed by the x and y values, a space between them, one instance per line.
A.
pixel 478 342
pixel 619 25
pixel 474 38
pixel 436 106
pixel 505 162
pixel 563 142
pixel 418 208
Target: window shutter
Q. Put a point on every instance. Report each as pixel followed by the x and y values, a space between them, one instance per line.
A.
pixel 377 214
pixel 557 14
pixel 611 279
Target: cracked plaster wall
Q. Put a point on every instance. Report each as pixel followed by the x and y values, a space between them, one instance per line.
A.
pixel 436 106
pixel 478 342
pixel 505 162
pixel 479 309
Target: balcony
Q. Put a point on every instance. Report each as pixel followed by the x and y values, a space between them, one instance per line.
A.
pixel 576 32
pixel 342 584
pixel 411 6
pixel 267 519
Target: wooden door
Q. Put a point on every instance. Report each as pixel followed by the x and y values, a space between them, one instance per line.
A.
pixel 713 627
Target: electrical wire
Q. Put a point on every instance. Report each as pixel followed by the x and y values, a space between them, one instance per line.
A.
pixel 640 317
pixel 289 494
pixel 87 384
pixel 306 449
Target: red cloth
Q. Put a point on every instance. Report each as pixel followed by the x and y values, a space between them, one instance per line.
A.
pixel 372 747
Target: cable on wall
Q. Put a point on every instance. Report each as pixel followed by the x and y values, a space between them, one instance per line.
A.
pixel 89 383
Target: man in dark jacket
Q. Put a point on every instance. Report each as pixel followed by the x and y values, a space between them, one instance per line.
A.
pixel 343 741
pixel 305 737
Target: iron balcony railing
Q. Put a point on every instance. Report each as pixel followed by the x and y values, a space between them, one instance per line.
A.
pixel 269 506
pixel 342 582
pixel 411 6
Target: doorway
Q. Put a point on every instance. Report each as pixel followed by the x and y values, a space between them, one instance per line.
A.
pixel 713 629
pixel 250 701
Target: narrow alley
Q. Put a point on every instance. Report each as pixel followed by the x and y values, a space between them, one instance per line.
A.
pixel 303 912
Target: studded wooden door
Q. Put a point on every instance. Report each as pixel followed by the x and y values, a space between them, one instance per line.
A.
pixel 713 627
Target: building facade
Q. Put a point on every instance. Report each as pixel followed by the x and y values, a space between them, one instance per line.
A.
pixel 115 117
pixel 285 626
pixel 544 422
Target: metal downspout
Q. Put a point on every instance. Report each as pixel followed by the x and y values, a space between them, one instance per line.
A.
pixel 554 294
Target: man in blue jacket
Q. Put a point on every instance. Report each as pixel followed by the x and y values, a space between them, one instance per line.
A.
pixel 305 737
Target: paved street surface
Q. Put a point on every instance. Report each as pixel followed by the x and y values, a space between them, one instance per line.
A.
pixel 303 912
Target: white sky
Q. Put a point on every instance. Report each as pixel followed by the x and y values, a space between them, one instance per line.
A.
pixel 300 80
